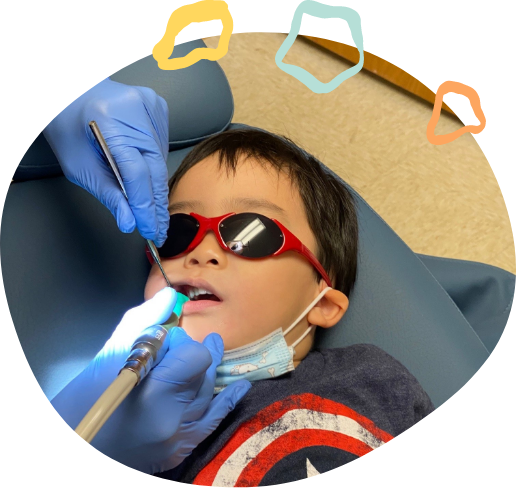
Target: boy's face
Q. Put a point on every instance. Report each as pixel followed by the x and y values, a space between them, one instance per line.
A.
pixel 256 296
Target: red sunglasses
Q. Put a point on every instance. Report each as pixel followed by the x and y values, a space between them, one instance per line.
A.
pixel 247 235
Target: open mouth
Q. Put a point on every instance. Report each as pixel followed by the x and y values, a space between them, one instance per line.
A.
pixel 196 294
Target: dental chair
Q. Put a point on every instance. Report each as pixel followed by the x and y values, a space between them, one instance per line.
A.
pixel 70 274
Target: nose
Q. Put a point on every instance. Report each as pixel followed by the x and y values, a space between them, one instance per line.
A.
pixel 208 254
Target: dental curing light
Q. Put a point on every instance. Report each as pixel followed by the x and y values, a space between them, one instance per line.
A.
pixel 147 351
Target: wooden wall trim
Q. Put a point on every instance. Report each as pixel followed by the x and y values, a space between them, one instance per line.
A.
pixel 381 68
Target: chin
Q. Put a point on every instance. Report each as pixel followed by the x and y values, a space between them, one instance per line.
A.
pixel 198 333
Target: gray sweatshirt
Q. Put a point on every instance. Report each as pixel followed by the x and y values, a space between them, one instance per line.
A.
pixel 337 405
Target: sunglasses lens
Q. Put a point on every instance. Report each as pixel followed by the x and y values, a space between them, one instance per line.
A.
pixel 251 235
pixel 182 230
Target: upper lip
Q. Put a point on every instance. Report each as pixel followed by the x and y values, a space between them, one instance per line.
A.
pixel 198 283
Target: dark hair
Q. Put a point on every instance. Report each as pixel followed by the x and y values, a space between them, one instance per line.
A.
pixel 329 205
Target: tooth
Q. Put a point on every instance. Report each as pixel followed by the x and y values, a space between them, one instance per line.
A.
pixel 194 292
pixel 191 293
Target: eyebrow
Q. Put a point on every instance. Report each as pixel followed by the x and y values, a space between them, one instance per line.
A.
pixel 230 204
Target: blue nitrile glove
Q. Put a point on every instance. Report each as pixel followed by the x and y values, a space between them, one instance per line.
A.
pixel 134 121
pixel 171 411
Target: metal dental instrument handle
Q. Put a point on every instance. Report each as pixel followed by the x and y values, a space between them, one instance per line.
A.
pixel 111 161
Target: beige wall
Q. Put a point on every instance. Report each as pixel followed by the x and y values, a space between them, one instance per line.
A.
pixel 441 200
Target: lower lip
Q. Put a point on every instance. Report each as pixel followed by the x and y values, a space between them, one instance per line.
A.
pixel 191 307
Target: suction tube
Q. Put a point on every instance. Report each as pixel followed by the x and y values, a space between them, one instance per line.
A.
pixel 147 351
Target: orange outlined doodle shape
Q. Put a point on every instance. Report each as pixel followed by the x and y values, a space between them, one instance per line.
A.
pixel 196 12
pixel 475 103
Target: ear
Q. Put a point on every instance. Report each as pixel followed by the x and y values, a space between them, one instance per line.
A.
pixel 329 310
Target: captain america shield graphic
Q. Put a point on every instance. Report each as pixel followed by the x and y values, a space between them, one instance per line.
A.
pixel 307 431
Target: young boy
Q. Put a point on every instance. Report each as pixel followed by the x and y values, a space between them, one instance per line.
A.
pixel 287 242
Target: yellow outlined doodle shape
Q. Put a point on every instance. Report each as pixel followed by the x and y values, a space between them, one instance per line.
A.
pixel 475 103
pixel 196 12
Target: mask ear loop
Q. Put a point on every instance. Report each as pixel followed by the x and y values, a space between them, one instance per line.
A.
pixel 303 314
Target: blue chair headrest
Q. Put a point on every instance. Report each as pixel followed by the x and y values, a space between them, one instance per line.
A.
pixel 197 108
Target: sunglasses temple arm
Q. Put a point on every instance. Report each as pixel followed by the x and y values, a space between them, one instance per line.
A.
pixel 305 251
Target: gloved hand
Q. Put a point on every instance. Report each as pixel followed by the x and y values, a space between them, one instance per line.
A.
pixel 135 123
pixel 165 417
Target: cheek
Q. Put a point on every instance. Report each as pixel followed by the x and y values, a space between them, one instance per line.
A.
pixel 154 284
pixel 254 299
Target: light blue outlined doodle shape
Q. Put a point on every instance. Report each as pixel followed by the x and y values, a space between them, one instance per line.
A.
pixel 321 11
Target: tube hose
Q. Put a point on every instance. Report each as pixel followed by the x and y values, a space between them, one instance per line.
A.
pixel 147 351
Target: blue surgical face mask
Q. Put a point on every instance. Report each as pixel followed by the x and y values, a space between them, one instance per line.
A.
pixel 268 357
